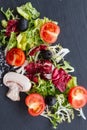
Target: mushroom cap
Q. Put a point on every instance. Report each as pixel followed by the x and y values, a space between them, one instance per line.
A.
pixel 19 79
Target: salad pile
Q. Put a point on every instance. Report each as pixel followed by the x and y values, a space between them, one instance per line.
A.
pixel 38 67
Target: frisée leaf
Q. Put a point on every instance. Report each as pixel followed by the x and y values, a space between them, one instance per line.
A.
pixel 60 112
pixel 8 14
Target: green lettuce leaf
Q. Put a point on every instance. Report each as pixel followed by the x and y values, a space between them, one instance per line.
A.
pixel 4 23
pixel 12 41
pixel 72 83
pixel 28 11
pixel 22 41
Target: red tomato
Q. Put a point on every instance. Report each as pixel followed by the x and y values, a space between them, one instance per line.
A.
pixel 15 57
pixel 49 32
pixel 77 97
pixel 35 103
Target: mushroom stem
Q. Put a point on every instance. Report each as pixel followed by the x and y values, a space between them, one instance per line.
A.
pixel 13 93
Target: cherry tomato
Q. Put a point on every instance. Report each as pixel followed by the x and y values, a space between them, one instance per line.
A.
pixel 49 32
pixel 15 57
pixel 35 103
pixel 77 97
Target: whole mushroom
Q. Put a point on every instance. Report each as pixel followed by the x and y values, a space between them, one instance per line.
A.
pixel 16 83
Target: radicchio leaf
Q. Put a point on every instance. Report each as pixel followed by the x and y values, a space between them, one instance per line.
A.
pixel 60 78
pixel 36 49
pixel 12 26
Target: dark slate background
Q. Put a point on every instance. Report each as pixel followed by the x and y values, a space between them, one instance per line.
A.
pixel 72 18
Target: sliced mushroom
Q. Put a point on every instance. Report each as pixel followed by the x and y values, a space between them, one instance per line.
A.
pixel 16 83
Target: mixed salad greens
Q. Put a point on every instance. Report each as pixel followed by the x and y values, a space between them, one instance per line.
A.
pixel 29 50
